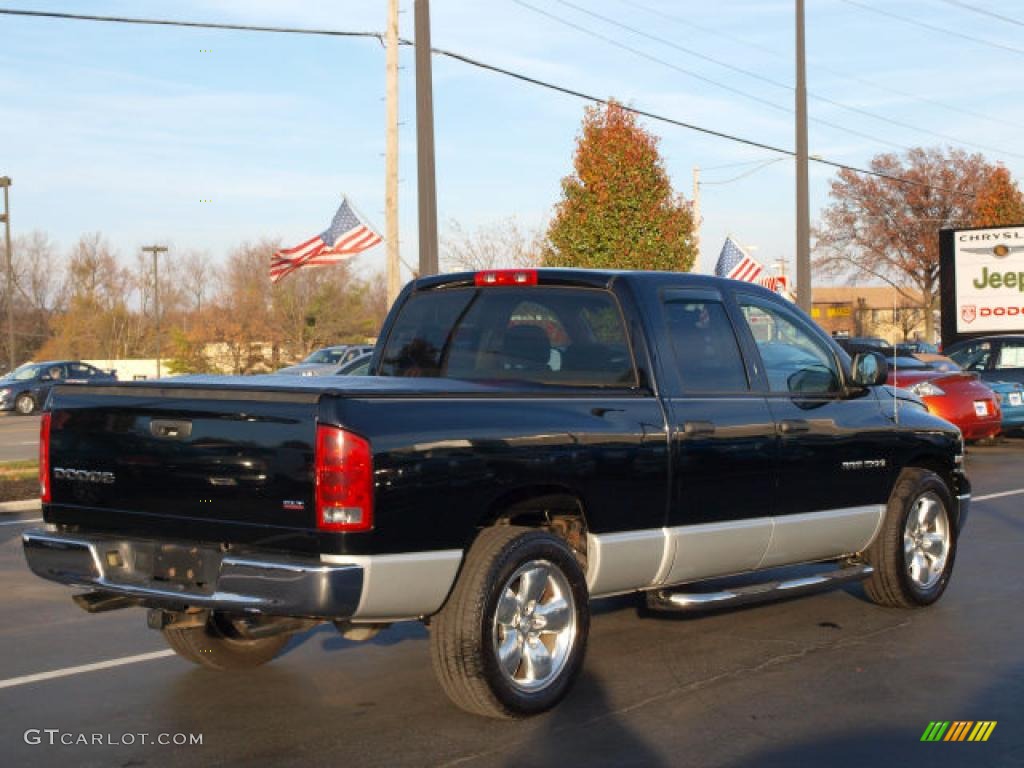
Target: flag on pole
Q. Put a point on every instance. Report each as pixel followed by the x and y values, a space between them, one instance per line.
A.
pixel 347 236
pixel 735 264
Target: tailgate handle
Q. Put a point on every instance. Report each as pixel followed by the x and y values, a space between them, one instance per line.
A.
pixel 171 429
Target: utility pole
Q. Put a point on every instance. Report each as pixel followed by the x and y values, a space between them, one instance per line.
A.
pixel 5 182
pixel 156 250
pixel 803 209
pixel 426 187
pixel 394 282
pixel 696 212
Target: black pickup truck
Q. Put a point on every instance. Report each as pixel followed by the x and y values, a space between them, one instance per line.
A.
pixel 528 440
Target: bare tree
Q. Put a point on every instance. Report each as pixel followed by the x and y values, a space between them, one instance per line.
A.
pixel 503 243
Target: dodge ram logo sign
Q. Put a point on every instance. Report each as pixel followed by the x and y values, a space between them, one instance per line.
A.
pixel 83 475
pixel 968 312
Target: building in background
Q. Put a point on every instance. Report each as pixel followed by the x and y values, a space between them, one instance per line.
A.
pixel 882 311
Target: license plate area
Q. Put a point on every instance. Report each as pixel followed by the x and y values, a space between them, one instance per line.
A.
pixel 1015 398
pixel 981 408
pixel 179 564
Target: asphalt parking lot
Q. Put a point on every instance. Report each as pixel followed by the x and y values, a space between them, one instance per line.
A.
pixel 19 437
pixel 828 680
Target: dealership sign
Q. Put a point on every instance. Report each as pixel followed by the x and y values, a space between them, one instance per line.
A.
pixel 988 275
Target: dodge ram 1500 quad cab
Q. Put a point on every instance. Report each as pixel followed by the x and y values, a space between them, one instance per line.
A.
pixel 528 440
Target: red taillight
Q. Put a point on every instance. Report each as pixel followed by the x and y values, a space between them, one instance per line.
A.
pixel 344 481
pixel 506 277
pixel 45 492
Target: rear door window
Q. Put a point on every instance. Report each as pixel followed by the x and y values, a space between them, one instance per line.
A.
pixel 707 354
pixel 547 335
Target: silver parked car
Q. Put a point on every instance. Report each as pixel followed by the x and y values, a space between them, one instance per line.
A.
pixel 326 361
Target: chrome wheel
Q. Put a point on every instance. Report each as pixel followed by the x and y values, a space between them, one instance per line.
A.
pixel 926 540
pixel 25 405
pixel 534 627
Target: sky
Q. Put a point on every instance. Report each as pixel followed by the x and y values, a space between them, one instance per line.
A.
pixel 204 139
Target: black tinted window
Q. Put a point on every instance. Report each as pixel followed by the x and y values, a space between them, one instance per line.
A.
pixel 707 354
pixel 568 336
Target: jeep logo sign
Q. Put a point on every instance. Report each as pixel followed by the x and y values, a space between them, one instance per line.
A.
pixel 989 280
pixel 83 475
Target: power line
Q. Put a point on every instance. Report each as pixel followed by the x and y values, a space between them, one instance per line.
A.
pixel 983 11
pixel 650 57
pixel 824 68
pixel 491 68
pixel 379 36
pixel 764 164
pixel 934 28
pixel 778 84
pixel 689 126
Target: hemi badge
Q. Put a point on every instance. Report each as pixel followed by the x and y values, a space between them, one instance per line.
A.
pixel 294 505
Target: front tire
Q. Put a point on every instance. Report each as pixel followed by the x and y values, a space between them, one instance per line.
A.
pixel 510 640
pixel 914 551
pixel 25 405
pixel 217 645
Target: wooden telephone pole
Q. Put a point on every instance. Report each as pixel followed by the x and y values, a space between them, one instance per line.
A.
pixel 425 184
pixel 394 280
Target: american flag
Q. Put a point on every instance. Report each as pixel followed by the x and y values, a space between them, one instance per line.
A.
pixel 347 236
pixel 734 263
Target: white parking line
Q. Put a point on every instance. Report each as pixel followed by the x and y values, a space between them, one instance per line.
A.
pixel 68 671
pixel 1000 495
pixel 22 522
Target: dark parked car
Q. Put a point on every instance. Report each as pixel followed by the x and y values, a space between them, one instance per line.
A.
pixel 527 440
pixel 915 348
pixel 25 388
pixel 994 358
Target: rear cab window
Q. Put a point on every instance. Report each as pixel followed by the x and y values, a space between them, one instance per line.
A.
pixel 540 334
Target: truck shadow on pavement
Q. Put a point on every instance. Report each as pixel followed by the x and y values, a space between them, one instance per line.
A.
pixel 330 639
pixel 902 745
pixel 582 730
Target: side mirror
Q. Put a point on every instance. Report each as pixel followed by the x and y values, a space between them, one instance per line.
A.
pixel 46 377
pixel 869 369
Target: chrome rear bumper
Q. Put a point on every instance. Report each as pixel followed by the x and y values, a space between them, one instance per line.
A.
pixel 266 584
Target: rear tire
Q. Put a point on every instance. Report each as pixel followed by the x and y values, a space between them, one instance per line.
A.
pixel 217 646
pixel 25 405
pixel 510 640
pixel 914 551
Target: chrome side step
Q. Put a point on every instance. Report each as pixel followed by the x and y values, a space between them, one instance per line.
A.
pixel 668 600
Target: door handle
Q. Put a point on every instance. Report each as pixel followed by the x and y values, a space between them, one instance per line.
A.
pixel 698 428
pixel 170 429
pixel 793 426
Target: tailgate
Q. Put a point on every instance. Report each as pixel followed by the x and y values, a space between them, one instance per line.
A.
pixel 223 465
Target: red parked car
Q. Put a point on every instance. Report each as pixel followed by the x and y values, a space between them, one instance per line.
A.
pixel 956 396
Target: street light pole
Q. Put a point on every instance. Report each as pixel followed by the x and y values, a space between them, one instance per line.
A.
pixel 156 250
pixel 803 209
pixel 5 182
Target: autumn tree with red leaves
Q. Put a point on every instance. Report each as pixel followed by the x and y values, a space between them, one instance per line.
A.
pixel 883 229
pixel 618 209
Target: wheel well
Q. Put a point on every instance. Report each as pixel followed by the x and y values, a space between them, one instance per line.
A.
pixel 556 510
pixel 933 464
